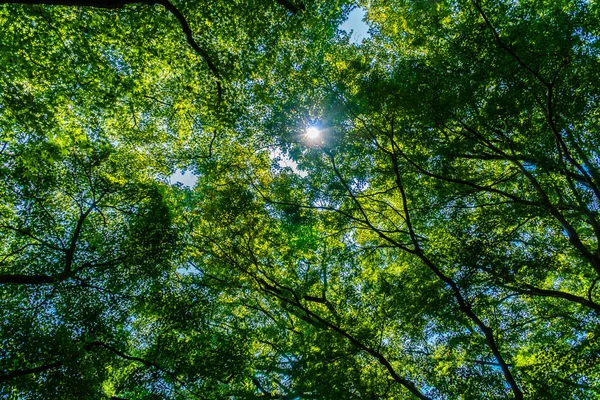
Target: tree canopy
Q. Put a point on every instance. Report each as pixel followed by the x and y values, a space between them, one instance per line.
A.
pixel 412 216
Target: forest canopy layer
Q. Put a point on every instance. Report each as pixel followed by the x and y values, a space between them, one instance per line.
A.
pixel 412 216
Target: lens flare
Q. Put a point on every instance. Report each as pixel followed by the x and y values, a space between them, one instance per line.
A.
pixel 312 133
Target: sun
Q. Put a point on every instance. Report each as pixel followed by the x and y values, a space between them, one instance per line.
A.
pixel 312 133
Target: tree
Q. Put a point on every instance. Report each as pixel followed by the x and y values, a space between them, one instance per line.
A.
pixel 440 239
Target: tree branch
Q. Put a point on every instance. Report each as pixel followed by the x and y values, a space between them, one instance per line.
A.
pixel 29 371
pixel 116 4
pixel 464 306
pixel 292 7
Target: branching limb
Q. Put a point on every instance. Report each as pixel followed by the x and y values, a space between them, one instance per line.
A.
pixel 291 7
pixel 462 302
pixel 534 291
pixel 116 4
pixel 28 371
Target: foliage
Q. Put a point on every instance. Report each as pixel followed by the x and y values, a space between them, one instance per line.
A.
pixel 439 240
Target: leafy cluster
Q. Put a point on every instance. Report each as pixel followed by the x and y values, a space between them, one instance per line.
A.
pixel 440 239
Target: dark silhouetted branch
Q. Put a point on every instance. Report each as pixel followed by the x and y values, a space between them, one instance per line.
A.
pixel 115 4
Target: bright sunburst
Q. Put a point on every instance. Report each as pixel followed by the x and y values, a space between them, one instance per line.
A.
pixel 312 133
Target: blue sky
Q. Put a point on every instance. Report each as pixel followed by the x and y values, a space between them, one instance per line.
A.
pixel 355 24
